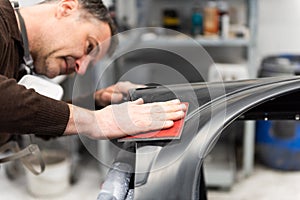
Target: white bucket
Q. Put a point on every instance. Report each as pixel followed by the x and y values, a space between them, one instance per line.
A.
pixel 55 180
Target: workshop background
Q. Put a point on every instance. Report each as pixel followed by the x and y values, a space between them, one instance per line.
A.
pixel 251 36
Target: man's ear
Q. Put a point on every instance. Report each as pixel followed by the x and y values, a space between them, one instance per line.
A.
pixel 66 7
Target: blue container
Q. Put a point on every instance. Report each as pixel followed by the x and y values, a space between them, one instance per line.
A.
pixel 197 22
pixel 278 144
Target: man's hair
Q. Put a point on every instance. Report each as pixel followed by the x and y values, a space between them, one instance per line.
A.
pixel 98 10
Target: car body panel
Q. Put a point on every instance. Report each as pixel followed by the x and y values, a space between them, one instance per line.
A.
pixel 174 172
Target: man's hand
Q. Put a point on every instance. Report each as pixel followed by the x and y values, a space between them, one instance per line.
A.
pixel 114 94
pixel 128 118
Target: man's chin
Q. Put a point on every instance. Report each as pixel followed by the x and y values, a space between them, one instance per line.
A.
pixel 51 74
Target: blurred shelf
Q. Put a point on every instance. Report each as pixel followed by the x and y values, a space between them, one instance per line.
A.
pixel 223 42
pixel 179 41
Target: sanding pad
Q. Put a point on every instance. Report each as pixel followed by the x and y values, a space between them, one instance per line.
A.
pixel 165 134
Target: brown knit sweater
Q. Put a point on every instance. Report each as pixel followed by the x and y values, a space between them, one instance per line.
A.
pixel 23 111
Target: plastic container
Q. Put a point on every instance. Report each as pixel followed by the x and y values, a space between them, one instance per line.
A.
pixel 55 180
pixel 171 19
pixel 280 65
pixel 278 144
pixel 278 141
pixel 224 20
pixel 197 21
pixel 211 18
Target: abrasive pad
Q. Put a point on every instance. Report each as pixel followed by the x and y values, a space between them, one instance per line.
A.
pixel 165 134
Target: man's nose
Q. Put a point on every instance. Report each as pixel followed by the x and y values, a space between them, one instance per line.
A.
pixel 81 64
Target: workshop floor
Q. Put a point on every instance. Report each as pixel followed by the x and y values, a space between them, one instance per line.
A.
pixel 263 184
pixel 87 188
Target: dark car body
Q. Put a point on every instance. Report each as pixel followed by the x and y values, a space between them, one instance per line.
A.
pixel 172 169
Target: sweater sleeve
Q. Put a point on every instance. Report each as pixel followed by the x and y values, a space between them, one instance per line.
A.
pixel 23 111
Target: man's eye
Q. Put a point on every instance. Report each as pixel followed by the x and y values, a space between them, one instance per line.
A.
pixel 89 49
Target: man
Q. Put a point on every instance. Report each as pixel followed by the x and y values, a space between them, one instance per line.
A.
pixel 61 36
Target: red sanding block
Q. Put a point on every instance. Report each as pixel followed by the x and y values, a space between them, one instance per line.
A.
pixel 165 134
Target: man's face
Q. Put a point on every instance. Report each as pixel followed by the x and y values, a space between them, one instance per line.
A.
pixel 69 43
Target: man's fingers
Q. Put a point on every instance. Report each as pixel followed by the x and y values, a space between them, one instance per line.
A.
pixel 159 125
pixel 168 116
pixel 139 101
pixel 116 97
pixel 165 107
